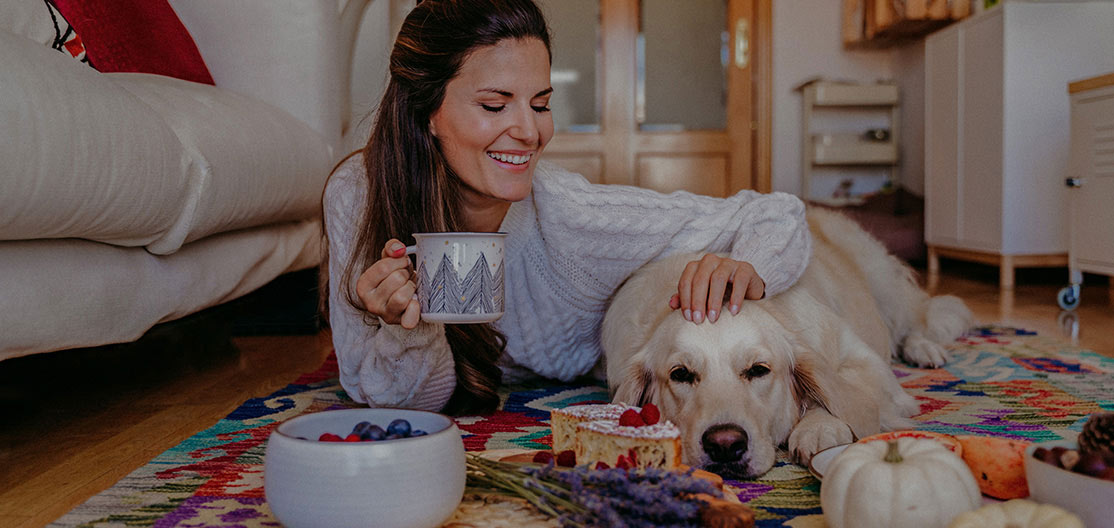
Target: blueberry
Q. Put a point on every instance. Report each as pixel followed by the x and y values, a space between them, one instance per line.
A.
pixel 374 432
pixel 394 436
pixel 399 427
pixel 361 428
pixel 418 432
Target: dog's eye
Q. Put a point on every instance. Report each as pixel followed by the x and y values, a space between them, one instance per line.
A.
pixel 680 374
pixel 757 370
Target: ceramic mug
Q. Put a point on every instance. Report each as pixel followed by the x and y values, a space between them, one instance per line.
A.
pixel 460 276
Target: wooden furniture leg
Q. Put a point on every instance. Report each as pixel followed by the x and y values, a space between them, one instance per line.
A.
pixel 1005 272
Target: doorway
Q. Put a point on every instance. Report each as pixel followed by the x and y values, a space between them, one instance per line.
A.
pixel 664 94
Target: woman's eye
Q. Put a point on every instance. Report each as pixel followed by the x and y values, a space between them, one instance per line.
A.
pixel 682 375
pixel 757 370
pixel 493 109
pixel 540 109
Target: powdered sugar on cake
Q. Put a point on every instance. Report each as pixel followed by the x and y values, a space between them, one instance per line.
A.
pixel 592 412
pixel 658 431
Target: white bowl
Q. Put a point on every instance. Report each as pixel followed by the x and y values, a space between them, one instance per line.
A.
pixel 407 482
pixel 1091 498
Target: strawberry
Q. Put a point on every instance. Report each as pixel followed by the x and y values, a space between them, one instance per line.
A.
pixel 631 418
pixel 566 458
pixel 329 437
pixel 633 457
pixel 543 457
pixel 603 465
pixel 623 463
pixel 650 414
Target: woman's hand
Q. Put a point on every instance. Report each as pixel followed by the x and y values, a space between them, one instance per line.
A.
pixel 388 287
pixel 707 284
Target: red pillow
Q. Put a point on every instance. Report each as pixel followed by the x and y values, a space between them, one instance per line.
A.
pixel 135 36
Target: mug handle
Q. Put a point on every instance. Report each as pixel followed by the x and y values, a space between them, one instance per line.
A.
pixel 410 250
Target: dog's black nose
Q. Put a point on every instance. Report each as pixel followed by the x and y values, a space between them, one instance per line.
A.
pixel 724 442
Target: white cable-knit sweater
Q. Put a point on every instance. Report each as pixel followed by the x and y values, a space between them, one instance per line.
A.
pixel 570 245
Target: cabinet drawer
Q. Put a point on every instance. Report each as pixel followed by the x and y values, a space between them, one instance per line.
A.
pixel 851 149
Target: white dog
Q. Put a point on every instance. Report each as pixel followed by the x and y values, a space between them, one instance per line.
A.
pixel 809 368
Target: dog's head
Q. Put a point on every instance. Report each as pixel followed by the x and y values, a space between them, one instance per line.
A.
pixel 735 388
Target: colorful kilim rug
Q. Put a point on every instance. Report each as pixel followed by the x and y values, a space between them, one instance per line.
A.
pixel 1001 381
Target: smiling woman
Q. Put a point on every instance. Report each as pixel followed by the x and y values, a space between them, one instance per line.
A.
pixel 456 146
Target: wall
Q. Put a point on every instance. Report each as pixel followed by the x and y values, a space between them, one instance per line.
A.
pixel 807 44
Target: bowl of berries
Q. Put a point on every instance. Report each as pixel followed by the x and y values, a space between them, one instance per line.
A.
pixel 364 467
pixel 1077 475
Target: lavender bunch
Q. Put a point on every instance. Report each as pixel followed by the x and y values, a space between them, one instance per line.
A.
pixel 598 497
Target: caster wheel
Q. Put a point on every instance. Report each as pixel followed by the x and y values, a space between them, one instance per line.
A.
pixel 1068 297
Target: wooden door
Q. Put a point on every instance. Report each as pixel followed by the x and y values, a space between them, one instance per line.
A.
pixel 622 139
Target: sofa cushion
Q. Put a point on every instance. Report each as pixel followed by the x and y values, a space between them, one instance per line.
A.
pixel 136 36
pixel 143 160
pixel 73 144
pixel 251 163
pixel 39 20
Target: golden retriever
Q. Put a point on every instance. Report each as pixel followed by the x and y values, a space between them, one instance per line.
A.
pixel 807 369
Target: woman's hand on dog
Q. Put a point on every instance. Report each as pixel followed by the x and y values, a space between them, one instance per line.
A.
pixel 388 288
pixel 708 284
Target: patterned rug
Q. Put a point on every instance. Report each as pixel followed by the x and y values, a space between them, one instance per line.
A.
pixel 1001 381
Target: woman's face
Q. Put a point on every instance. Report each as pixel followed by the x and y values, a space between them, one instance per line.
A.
pixel 495 121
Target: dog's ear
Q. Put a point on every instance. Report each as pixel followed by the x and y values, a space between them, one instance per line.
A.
pixel 806 390
pixel 636 386
pixel 843 384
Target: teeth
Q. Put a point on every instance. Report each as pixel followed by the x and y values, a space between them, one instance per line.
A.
pixel 507 158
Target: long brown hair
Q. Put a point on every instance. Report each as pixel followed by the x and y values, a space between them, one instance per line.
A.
pixel 411 188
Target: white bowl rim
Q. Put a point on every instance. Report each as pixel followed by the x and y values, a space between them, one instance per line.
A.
pixel 448 429
pixel 1070 444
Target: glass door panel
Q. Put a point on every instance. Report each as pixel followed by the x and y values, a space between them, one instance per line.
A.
pixel 575 29
pixel 682 65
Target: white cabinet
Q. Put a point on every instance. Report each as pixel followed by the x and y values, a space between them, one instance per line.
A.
pixel 1091 183
pixel 996 130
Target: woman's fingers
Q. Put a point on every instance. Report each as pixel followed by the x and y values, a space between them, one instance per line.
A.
pixel 707 285
pixel 388 286
pixel 412 314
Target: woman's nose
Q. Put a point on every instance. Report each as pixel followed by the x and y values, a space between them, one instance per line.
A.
pixel 525 127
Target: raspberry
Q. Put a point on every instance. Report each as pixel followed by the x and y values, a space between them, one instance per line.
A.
pixel 543 457
pixel 352 437
pixel 650 414
pixel 329 437
pixel 631 418
pixel 566 458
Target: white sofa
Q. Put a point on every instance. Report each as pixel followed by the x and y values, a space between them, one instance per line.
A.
pixel 130 199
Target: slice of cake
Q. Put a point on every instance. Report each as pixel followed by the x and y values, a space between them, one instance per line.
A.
pixel 563 422
pixel 657 445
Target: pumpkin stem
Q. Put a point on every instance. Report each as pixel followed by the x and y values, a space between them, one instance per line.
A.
pixel 893 456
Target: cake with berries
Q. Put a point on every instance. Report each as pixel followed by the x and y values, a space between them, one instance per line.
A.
pixel 616 445
pixel 564 422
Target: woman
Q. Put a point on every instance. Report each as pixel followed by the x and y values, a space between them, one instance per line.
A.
pixel 455 147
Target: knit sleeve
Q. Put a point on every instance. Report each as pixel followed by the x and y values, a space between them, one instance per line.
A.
pixel 615 229
pixel 380 364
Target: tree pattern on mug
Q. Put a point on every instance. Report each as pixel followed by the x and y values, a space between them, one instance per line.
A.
pixel 479 291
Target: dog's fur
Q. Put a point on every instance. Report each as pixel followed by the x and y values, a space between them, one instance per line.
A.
pixel 827 343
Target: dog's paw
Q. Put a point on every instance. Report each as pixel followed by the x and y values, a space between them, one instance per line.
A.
pixel 815 434
pixel 923 352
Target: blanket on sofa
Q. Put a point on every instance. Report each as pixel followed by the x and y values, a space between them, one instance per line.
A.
pixel 1002 382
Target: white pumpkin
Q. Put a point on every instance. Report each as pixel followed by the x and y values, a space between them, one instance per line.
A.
pixel 1017 513
pixel 910 482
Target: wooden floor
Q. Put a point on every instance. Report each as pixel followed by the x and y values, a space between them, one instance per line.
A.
pixel 73 423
